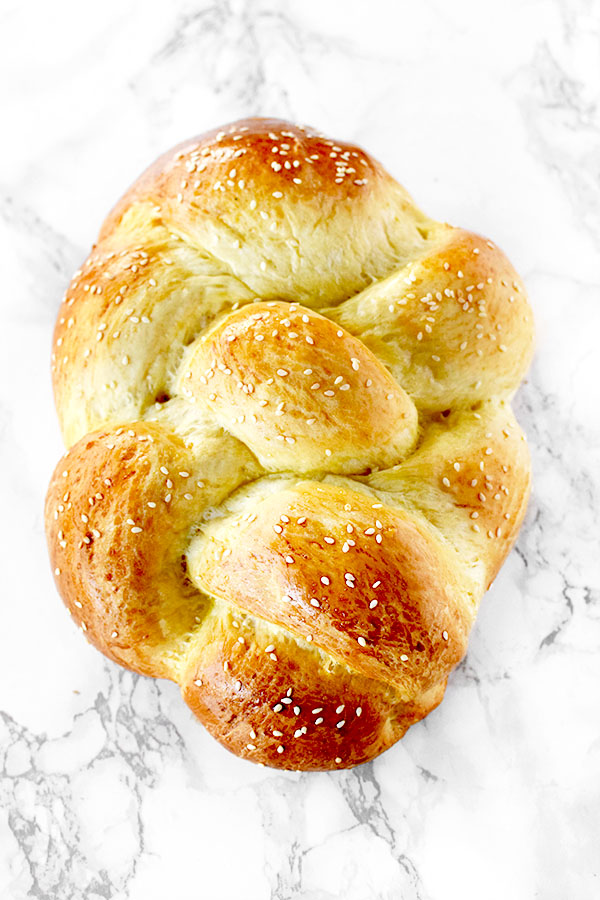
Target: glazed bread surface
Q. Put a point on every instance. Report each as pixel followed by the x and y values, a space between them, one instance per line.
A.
pixel 293 469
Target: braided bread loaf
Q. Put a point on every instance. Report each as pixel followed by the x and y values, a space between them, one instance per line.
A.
pixel 293 467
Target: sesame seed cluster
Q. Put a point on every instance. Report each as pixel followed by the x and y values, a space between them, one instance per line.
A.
pixel 293 469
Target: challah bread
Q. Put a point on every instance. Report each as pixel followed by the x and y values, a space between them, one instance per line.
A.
pixel 293 467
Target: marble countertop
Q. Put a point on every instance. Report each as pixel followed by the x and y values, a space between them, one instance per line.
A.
pixel 490 115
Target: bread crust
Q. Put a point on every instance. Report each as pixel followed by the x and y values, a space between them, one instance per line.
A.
pixel 293 469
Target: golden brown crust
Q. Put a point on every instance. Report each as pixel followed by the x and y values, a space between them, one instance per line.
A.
pixel 470 477
pixel 118 513
pixel 266 155
pixel 371 586
pixel 279 702
pixel 123 326
pixel 300 391
pixel 264 306
pixel 454 327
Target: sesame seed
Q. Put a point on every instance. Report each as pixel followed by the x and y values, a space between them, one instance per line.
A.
pixel 362 641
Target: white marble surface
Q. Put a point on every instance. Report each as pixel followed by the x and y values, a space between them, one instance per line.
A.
pixel 489 113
